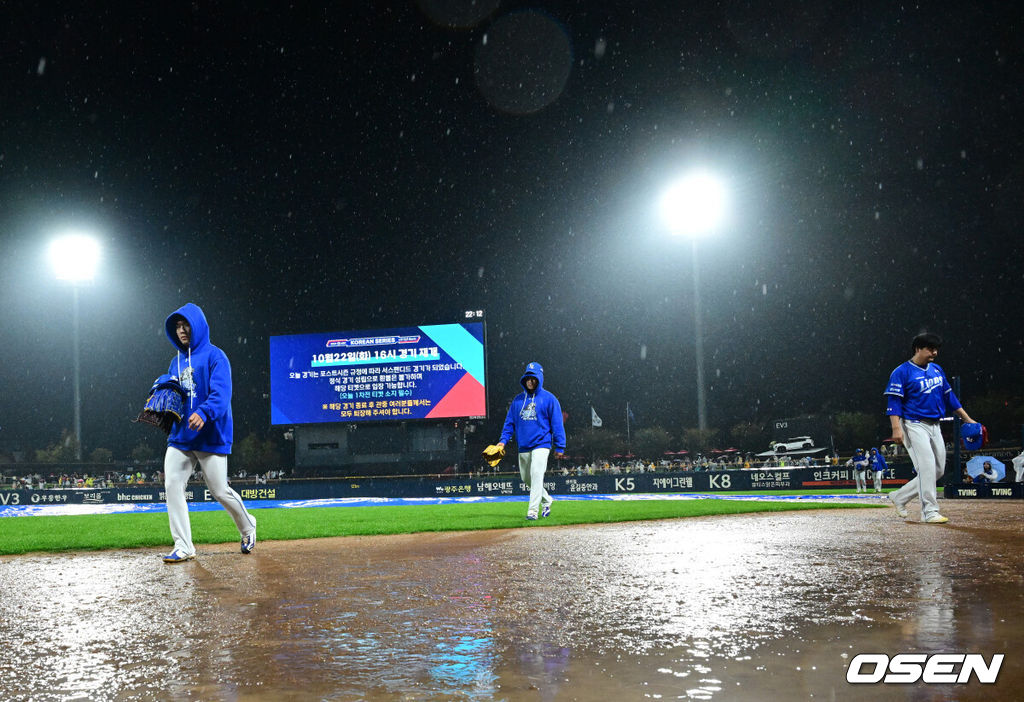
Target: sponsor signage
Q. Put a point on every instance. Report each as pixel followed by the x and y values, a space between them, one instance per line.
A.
pixel 480 485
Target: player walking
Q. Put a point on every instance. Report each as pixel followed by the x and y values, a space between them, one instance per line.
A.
pixel 859 463
pixel 1018 467
pixel 878 467
pixel 205 437
pixel 535 417
pixel 918 397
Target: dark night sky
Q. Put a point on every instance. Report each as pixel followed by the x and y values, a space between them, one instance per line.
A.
pixel 363 165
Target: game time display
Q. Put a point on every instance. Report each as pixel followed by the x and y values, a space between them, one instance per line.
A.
pixel 426 372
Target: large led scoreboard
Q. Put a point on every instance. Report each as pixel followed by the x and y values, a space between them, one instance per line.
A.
pixel 381 375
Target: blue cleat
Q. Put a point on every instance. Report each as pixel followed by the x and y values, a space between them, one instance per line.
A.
pixel 546 512
pixel 531 516
pixel 178 556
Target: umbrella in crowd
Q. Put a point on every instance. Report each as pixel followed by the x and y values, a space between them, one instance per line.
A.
pixel 977 464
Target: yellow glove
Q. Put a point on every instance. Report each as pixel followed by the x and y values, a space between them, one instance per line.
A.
pixel 493 454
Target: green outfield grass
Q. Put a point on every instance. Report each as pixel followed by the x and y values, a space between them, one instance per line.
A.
pixel 20 535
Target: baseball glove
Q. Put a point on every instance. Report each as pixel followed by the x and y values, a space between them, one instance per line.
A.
pixel 165 406
pixel 493 454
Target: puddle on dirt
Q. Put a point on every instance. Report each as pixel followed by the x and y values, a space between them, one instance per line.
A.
pixel 724 608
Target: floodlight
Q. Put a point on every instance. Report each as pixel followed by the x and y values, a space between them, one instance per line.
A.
pixel 694 205
pixel 75 257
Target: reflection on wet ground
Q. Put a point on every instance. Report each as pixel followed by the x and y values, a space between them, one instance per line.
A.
pixel 749 607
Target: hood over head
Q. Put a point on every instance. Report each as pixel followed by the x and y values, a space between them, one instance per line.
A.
pixel 196 320
pixel 533 370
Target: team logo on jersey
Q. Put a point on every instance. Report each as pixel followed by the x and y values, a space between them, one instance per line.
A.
pixel 529 412
pixel 188 382
pixel 929 384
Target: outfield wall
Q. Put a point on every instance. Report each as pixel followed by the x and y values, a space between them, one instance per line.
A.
pixel 501 484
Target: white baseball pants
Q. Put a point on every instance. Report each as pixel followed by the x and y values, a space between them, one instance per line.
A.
pixel 178 467
pixel 927 450
pixel 532 466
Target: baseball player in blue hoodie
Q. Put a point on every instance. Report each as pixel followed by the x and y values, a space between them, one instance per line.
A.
pixel 878 467
pixel 535 417
pixel 859 463
pixel 203 437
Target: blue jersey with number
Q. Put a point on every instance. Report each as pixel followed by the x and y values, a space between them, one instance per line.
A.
pixel 920 393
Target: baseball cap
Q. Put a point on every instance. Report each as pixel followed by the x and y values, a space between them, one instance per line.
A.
pixel 974 436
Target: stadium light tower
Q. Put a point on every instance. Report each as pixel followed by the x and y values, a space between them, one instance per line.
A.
pixel 75 258
pixel 694 207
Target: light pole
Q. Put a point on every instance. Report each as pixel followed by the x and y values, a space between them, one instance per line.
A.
pixel 74 258
pixel 694 207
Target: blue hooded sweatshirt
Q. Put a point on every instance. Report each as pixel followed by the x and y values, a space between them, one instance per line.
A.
pixel 205 374
pixel 535 418
pixel 878 463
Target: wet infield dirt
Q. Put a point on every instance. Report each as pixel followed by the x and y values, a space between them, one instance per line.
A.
pixel 746 607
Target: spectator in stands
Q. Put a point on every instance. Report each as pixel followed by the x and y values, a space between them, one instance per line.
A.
pixel 988 474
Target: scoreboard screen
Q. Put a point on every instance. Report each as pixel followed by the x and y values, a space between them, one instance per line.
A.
pixel 426 372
